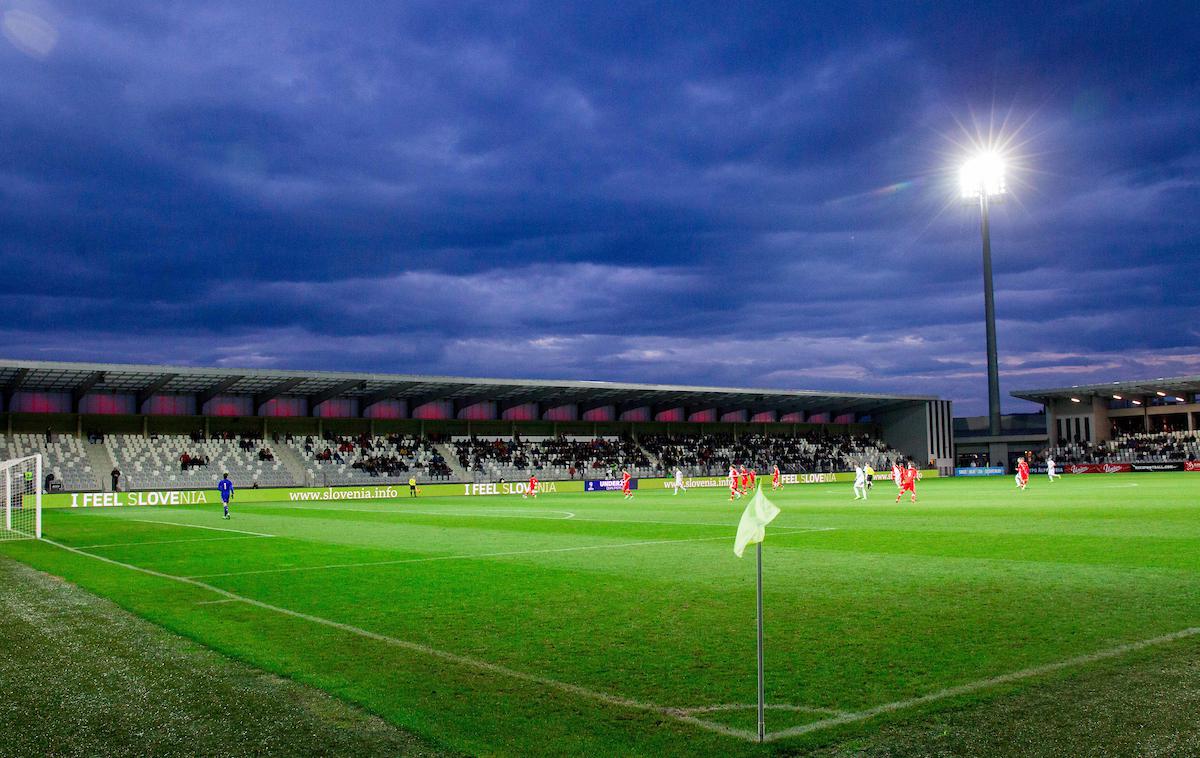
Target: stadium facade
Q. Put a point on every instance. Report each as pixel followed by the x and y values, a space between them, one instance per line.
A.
pixel 1093 413
pixel 98 398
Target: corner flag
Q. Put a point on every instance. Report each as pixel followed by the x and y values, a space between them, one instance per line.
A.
pixel 752 528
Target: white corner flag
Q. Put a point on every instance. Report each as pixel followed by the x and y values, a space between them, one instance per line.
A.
pixel 752 528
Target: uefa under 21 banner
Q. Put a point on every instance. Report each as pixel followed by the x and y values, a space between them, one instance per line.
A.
pixel 608 485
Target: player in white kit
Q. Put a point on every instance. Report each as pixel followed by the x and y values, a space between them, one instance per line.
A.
pixel 860 483
pixel 679 482
pixel 1051 470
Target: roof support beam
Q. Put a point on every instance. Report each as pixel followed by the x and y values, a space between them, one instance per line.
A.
pixel 332 392
pixel 468 400
pixel 152 389
pixel 81 389
pixel 417 401
pixel 592 405
pixel 387 393
pixel 11 388
pixel 224 385
pixel 508 405
pixel 274 391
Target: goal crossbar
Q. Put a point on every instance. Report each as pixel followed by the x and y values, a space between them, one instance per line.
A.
pixel 21 498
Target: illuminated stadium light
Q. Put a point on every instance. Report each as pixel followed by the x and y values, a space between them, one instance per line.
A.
pixel 981 178
pixel 1076 400
pixel 982 175
pixel 1180 400
pixel 1117 397
pixel 1136 402
pixel 1161 394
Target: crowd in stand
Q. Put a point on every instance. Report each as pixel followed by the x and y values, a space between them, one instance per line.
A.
pixel 1132 448
pixel 189 461
pixel 391 456
pixel 814 452
pixel 695 454
pixel 594 457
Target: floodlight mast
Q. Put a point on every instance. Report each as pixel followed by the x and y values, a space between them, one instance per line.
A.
pixel 982 177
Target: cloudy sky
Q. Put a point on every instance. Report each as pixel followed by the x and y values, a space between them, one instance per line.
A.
pixel 756 194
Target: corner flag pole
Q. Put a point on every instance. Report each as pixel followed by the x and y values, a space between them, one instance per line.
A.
pixel 762 726
pixel 752 529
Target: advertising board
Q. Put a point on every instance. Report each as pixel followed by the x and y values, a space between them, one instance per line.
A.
pixel 1097 468
pixel 979 471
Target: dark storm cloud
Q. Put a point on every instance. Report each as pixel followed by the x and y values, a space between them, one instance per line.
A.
pixel 755 194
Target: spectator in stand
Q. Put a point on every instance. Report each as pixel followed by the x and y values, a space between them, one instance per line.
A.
pixel 116 479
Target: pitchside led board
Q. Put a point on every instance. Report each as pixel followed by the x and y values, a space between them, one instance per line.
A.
pixel 389 492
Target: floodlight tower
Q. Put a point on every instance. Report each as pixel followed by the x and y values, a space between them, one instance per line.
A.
pixel 982 178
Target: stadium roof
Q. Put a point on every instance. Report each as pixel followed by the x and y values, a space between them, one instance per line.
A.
pixel 1179 385
pixel 317 386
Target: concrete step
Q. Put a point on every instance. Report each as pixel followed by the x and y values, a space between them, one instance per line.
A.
pixel 291 460
pixel 457 472
pixel 101 460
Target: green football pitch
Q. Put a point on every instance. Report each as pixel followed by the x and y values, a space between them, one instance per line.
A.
pixel 588 624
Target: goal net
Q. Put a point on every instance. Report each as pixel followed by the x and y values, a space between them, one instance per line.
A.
pixel 21 498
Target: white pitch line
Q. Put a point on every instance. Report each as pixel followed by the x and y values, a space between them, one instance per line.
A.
pixel 573 517
pixel 198 526
pixel 768 706
pixel 983 684
pixel 218 602
pixel 168 542
pixel 568 515
pixel 431 652
pixel 461 557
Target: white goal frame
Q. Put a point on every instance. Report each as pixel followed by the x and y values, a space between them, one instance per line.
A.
pixel 17 490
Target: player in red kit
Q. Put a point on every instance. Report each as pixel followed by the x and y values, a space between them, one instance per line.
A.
pixel 745 480
pixel 733 483
pixel 1022 473
pixel 775 481
pixel 908 482
pixel 533 487
pixel 625 485
pixel 753 478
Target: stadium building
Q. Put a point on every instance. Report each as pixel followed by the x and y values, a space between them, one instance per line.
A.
pixel 1109 422
pixel 1096 413
pixel 174 427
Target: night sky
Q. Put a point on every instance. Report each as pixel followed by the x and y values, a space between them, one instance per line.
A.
pixel 748 194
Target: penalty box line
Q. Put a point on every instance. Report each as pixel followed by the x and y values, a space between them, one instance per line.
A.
pixel 169 542
pixel 475 556
pixel 572 517
pixel 983 684
pixel 431 652
pixel 199 526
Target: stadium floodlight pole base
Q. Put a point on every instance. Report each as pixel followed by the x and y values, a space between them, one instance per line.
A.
pixel 762 724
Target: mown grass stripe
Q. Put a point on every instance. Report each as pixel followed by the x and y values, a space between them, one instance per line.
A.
pixel 461 660
pixel 983 684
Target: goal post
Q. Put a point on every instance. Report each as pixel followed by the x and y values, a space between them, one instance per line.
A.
pixel 21 479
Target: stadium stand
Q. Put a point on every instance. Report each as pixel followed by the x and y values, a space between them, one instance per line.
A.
pixel 64 456
pixel 181 462
pixel 159 463
pixel 813 453
pixel 562 457
pixel 1163 447
pixel 362 459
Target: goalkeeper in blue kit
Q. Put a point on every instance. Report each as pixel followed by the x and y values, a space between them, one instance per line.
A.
pixel 225 487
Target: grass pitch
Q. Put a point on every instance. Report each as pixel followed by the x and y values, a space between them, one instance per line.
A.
pixel 586 624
